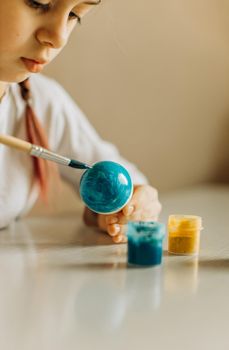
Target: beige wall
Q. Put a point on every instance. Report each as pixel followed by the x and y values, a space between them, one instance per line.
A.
pixel 153 77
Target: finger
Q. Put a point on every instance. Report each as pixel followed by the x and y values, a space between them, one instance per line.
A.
pixel 111 219
pixel 117 218
pixel 115 230
pixel 121 238
pixel 128 210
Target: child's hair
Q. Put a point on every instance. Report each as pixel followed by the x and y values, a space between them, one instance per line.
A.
pixel 36 135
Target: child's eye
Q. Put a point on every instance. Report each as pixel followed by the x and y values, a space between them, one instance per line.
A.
pixel 38 5
pixel 45 7
pixel 73 15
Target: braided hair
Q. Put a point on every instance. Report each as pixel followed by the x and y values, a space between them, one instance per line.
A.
pixel 36 135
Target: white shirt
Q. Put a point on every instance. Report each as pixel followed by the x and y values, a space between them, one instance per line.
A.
pixel 69 133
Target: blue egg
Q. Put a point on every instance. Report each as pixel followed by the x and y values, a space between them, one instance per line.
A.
pixel 106 187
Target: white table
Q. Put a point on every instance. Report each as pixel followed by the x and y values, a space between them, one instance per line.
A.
pixel 63 286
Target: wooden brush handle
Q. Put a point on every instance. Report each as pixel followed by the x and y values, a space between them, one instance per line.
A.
pixel 14 142
pixel 40 152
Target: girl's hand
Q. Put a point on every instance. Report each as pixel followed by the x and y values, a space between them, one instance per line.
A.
pixel 143 206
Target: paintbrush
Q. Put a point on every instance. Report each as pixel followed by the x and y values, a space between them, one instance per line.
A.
pixel 40 152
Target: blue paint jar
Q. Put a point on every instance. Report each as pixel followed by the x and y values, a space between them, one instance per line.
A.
pixel 106 188
pixel 145 241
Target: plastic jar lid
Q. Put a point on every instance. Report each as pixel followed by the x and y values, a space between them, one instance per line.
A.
pixel 184 222
pixel 142 231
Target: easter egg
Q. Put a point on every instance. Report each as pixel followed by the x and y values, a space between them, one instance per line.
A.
pixel 106 188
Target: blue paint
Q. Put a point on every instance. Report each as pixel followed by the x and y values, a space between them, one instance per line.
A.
pixel 106 187
pixel 145 243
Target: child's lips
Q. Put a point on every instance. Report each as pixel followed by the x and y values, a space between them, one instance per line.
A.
pixel 34 66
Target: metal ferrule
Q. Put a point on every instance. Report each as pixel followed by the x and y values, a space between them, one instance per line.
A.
pixel 41 152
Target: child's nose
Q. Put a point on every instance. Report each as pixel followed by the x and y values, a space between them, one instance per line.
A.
pixel 55 34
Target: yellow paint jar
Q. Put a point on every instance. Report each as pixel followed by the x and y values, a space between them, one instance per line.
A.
pixel 184 234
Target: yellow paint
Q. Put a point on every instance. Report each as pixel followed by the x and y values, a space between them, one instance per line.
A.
pixel 184 234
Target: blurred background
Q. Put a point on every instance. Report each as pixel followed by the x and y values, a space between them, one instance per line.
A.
pixel 152 76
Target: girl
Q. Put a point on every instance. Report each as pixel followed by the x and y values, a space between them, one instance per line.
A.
pixel 33 107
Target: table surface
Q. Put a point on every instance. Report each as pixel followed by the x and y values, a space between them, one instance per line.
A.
pixel 64 286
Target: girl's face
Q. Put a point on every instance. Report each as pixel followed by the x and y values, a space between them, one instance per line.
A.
pixel 32 33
